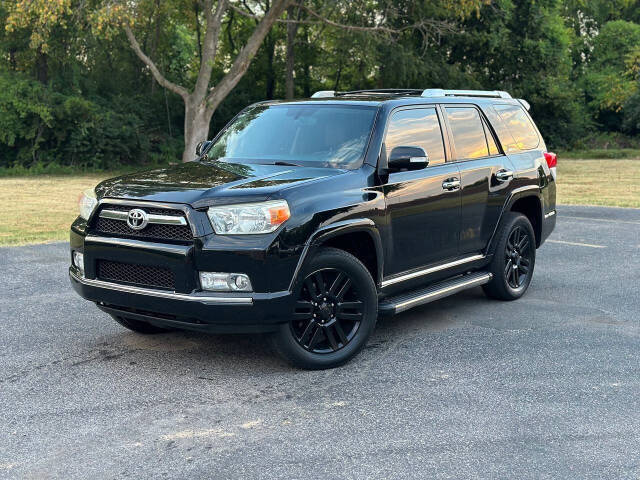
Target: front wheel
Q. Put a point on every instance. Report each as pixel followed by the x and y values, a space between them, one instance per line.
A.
pixel 513 259
pixel 335 312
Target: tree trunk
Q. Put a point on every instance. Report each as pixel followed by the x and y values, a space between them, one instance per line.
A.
pixel 270 46
pixel 292 29
pixel 42 67
pixel 196 127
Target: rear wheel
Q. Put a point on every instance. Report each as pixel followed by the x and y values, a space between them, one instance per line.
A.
pixel 138 326
pixel 335 312
pixel 513 260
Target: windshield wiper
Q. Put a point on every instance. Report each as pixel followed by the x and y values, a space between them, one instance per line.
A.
pixel 286 164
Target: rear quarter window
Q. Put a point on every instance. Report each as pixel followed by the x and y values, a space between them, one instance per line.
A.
pixel 520 126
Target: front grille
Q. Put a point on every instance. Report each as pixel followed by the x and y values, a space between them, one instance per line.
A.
pixel 139 275
pixel 156 231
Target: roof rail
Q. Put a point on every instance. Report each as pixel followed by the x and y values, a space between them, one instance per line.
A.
pixel 384 91
pixel 439 92
pixel 324 94
pixel 373 91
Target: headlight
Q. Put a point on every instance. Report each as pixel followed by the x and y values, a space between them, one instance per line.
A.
pixel 249 218
pixel 87 203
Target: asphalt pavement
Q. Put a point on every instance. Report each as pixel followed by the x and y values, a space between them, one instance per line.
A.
pixel 466 387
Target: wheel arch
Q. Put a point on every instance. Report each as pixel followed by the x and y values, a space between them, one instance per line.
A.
pixel 528 201
pixel 359 237
pixel 531 207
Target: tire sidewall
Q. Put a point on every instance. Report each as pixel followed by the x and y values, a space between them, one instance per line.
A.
pixel 338 259
pixel 499 263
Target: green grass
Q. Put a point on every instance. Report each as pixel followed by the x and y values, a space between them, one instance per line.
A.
pixel 614 183
pixel 601 154
pixel 36 209
pixel 40 209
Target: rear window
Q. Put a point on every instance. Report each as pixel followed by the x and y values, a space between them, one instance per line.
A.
pixel 520 126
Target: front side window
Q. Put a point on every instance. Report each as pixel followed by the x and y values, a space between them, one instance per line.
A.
pixel 418 127
pixel 518 123
pixel 310 135
pixel 468 133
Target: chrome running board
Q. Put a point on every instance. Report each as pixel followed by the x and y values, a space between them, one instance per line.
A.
pixel 405 301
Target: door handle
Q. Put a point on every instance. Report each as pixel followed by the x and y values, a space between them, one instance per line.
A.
pixel 451 184
pixel 504 175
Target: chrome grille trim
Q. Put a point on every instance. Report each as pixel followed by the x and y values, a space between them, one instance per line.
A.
pixel 159 219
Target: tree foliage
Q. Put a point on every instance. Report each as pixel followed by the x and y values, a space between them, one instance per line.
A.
pixel 74 91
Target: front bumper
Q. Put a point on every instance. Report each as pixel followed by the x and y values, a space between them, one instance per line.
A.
pixel 210 312
pixel 187 306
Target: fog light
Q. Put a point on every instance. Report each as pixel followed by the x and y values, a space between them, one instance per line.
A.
pixel 78 261
pixel 225 282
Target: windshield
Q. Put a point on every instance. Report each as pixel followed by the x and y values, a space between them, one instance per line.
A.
pixel 310 135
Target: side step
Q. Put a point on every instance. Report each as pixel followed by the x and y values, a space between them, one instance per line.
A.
pixel 405 301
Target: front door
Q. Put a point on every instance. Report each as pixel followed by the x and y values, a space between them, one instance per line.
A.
pixel 423 206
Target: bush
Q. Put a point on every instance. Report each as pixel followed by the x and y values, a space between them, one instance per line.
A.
pixel 39 127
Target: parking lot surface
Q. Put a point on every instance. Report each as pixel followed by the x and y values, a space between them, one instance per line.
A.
pixel 466 387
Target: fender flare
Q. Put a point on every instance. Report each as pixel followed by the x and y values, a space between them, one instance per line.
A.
pixel 516 194
pixel 326 232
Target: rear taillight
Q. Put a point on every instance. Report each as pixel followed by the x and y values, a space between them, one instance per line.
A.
pixel 552 161
pixel 551 158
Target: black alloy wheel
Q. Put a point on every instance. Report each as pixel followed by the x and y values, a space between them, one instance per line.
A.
pixel 334 310
pixel 517 257
pixel 513 259
pixel 328 311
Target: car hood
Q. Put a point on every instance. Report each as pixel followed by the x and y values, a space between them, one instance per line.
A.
pixel 198 182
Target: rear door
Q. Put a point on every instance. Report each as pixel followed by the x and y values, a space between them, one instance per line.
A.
pixel 423 206
pixel 485 172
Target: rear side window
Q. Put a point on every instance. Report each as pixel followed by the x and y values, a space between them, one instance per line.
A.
pixel 418 127
pixel 518 123
pixel 468 133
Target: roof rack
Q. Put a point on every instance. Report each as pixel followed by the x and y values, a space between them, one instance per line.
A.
pixel 439 92
pixel 376 91
pixel 429 92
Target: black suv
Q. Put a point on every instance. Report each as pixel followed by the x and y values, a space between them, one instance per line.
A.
pixel 307 219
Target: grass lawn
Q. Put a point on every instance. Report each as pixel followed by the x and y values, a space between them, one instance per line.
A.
pixel 40 208
pixel 614 183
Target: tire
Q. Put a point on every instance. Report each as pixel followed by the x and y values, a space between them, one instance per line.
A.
pixel 514 259
pixel 336 311
pixel 138 326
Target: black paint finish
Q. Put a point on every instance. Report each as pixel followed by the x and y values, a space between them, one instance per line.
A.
pixel 411 221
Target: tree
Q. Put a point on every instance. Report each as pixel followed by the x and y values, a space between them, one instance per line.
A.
pixel 202 100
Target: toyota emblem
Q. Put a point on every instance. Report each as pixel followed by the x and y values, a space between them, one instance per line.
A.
pixel 137 219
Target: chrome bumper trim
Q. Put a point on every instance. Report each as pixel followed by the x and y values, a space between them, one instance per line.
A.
pixel 206 299
pixel 160 219
pixel 427 271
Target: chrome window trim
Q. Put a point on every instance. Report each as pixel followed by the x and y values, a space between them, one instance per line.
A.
pixel 152 218
pixel 206 299
pixel 427 271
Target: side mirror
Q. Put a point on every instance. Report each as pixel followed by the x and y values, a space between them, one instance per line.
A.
pixel 408 158
pixel 201 148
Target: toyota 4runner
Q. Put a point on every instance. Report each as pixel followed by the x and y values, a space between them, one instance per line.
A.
pixel 305 220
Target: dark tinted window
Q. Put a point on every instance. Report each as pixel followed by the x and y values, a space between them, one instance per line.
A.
pixel 314 135
pixel 519 125
pixel 417 127
pixel 468 133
